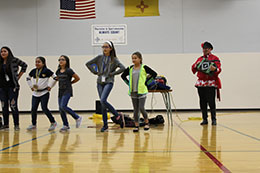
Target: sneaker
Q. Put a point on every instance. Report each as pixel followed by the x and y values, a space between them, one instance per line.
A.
pixel 146 127
pixel 65 129
pixel 52 126
pixel 136 129
pixel 204 122
pixel 16 128
pixel 78 122
pixel 5 128
pixel 104 129
pixel 31 127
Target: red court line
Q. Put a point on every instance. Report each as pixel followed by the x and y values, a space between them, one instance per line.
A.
pixel 214 159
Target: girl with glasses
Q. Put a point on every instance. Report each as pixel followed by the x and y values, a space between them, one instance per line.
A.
pixel 64 77
pixel 107 64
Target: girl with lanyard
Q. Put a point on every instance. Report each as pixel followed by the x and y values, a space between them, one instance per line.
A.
pixel 9 86
pixel 106 64
pixel 64 76
pixel 137 87
pixel 38 81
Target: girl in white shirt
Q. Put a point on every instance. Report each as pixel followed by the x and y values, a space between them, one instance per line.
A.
pixel 38 81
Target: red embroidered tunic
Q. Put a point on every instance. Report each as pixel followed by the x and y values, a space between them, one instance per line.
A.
pixel 206 80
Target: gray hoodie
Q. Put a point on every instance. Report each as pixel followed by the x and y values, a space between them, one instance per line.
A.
pixel 106 68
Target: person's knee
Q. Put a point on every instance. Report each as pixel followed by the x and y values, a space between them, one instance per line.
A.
pixel 45 109
pixel 13 104
pixel 3 104
pixel 63 108
pixel 34 109
pixel 103 102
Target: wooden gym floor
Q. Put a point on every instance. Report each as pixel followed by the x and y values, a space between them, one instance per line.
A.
pixel 231 146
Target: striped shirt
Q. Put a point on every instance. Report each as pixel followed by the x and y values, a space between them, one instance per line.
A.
pixel 40 79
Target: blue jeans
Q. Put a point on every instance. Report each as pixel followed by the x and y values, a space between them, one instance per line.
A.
pixel 9 97
pixel 103 92
pixel 63 108
pixel 44 103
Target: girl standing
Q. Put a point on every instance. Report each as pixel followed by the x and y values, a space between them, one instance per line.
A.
pixel 107 63
pixel 137 87
pixel 38 81
pixel 207 68
pixel 64 75
pixel 9 86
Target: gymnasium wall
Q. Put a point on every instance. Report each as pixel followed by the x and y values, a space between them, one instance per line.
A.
pixel 170 43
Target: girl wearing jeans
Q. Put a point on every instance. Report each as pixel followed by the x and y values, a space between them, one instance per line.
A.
pixel 38 81
pixel 106 64
pixel 137 87
pixel 9 86
pixel 64 75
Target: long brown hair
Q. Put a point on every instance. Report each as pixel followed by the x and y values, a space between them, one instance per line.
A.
pixel 113 51
pixel 9 58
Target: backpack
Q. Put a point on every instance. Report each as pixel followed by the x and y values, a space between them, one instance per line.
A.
pixel 159 83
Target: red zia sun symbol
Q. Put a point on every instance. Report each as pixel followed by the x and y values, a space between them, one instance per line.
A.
pixel 142 6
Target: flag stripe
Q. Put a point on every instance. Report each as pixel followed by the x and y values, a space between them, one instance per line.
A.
pixel 83 9
pixel 78 14
pixel 75 18
pixel 85 4
pixel 84 0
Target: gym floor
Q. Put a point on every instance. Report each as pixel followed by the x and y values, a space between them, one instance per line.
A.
pixel 231 146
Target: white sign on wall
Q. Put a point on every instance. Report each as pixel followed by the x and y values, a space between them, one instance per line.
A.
pixel 117 33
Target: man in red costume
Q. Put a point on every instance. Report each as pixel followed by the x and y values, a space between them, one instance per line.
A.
pixel 208 68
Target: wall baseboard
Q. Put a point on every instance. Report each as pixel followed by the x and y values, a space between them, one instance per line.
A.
pixel 159 110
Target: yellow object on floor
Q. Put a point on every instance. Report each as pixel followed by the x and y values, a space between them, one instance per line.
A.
pixel 99 116
pixel 194 118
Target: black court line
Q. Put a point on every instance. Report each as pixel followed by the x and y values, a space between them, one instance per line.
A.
pixel 24 142
pixel 241 133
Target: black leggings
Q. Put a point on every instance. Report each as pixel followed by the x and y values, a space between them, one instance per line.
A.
pixel 207 97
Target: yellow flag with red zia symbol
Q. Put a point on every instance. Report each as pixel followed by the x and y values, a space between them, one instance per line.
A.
pixel 135 8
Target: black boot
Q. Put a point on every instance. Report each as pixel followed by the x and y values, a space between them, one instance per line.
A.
pixel 204 122
pixel 213 117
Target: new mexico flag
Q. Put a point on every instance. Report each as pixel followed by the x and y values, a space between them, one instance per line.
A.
pixel 141 8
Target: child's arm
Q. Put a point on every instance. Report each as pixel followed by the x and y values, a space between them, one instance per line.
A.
pixel 76 78
pixel 29 81
pixel 89 65
pixel 52 82
pixel 120 70
pixel 23 66
pixel 150 71
pixel 124 76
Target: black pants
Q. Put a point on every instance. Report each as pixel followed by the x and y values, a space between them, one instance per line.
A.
pixel 207 97
pixel 9 97
pixel 44 103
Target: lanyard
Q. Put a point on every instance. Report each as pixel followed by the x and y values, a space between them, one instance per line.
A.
pixel 37 75
pixel 105 62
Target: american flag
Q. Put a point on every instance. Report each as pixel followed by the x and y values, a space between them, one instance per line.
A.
pixel 77 9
